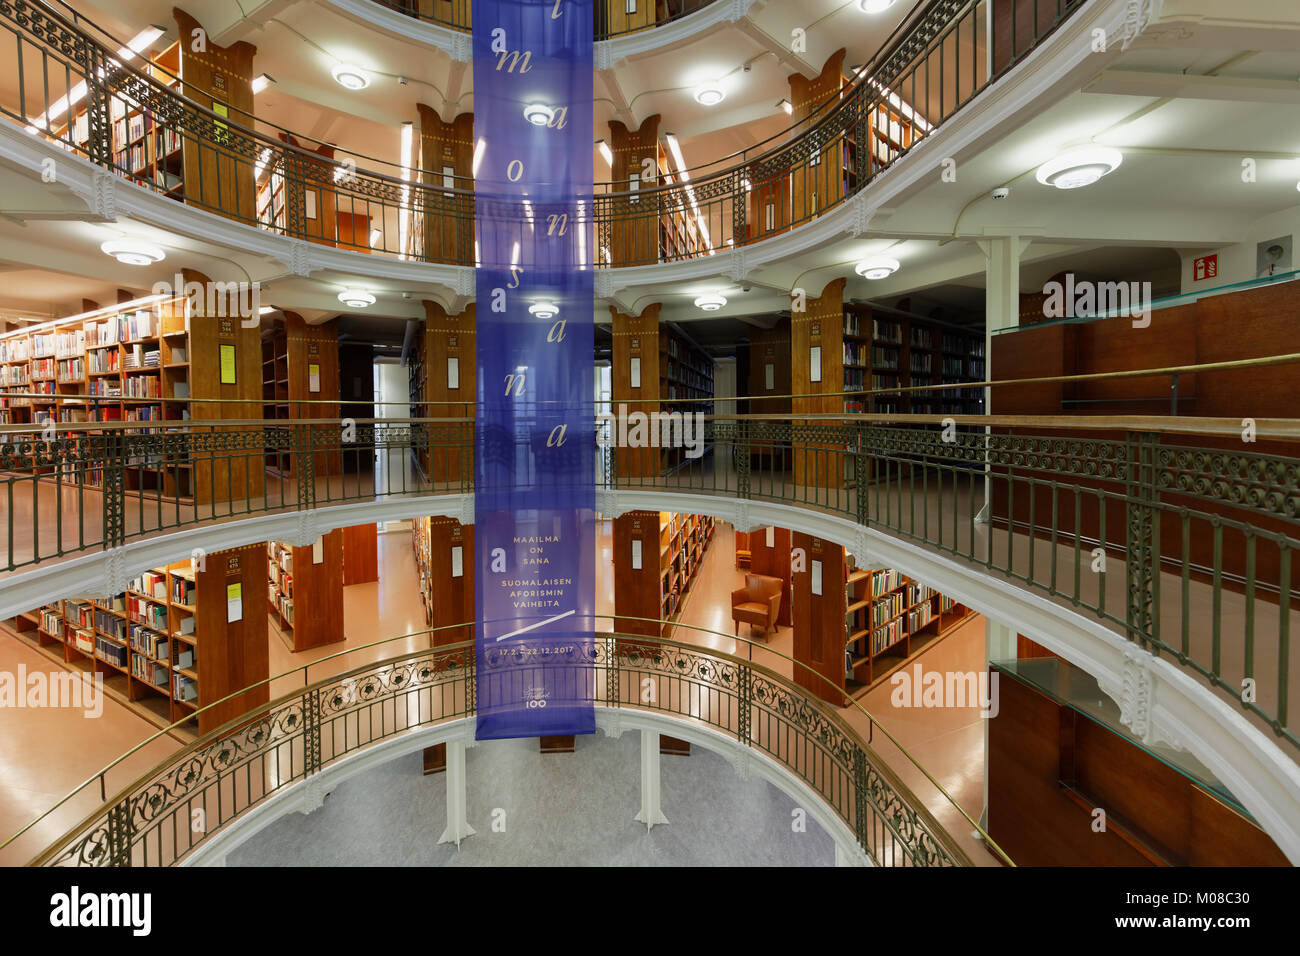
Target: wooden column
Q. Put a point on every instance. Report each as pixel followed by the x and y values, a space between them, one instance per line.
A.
pixel 220 78
pixel 817 183
pixel 315 349
pixel 819 618
pixel 637 591
pixel 774 561
pixel 449 343
pixel 360 554
pixel 452 599
pixel 636 337
pixel 769 347
pixel 240 472
pixel 309 192
pixel 818 464
pixel 231 654
pixel 634 237
pixel 447 162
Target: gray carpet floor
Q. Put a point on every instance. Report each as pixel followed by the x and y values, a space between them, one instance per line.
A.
pixel 531 809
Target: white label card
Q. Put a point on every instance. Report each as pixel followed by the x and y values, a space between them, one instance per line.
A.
pixel 318 551
pixel 636 372
pixel 769 376
pixel 234 602
pixel 816 577
pixel 636 555
pixel 457 561
pixel 453 372
pixel 771 537
pixel 815 363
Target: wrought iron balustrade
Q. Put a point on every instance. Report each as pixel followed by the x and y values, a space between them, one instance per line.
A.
pixel 69 85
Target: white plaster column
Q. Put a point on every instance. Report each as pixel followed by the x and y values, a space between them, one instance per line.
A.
pixel 458 827
pixel 650 811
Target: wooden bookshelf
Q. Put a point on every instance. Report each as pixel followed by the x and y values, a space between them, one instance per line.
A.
pixel 300 380
pixel 444 369
pixel 444 562
pixel 165 646
pixel 672 548
pixel 686 381
pixel 314 572
pixel 889 618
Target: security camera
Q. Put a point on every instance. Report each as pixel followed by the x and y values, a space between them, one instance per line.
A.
pixel 1002 192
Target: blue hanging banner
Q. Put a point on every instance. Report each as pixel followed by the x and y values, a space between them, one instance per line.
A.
pixel 534 492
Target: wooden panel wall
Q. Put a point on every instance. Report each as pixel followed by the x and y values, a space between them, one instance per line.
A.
pixel 770 346
pixel 318 593
pixel 636 337
pixel 214 179
pixel 618 19
pixel 360 554
pixel 637 592
pixel 774 561
pixel 817 186
pixel 231 654
pixel 453 596
pixel 634 240
pixel 819 619
pixel 1155 815
pixel 449 228
pixel 445 337
pixel 818 464
pixel 224 475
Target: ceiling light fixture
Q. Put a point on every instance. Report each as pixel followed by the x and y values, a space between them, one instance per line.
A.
pixel 544 310
pixel 539 114
pixel 875 6
pixel 265 309
pixel 356 298
pixel 710 94
pixel 877 267
pixel 1079 167
pixel 711 302
pixel 350 77
pixel 261 82
pixel 785 105
pixel 605 152
pixel 479 149
pixel 132 252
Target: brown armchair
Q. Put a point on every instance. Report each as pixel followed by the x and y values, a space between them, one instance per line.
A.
pixel 758 603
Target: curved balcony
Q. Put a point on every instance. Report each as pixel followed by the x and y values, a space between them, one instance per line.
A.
pixel 236 772
pixel 611 20
pixel 935 64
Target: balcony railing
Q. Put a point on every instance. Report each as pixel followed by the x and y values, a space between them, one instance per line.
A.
pixel 1171 530
pixel 612 17
pixel 255 757
pixel 67 82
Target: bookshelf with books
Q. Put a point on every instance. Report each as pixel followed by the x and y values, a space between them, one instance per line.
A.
pixel 304 590
pixel 686 381
pixel 300 381
pixel 443 371
pixel 176 640
pixel 889 618
pixel 657 561
pixel 444 562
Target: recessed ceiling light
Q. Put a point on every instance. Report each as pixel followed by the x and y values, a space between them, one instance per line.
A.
pixel 261 82
pixel 877 267
pixel 711 302
pixel 1079 167
pixel 785 105
pixel 875 6
pixel 356 298
pixel 539 114
pixel 132 252
pixel 710 94
pixel 351 77
pixel 543 310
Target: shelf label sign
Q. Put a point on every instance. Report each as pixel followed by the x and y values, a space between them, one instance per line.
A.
pixel 534 497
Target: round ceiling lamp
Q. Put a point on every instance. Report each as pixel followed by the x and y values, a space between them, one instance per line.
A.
pixel 875 6
pixel 356 298
pixel 710 94
pixel 877 267
pixel 711 302
pixel 132 252
pixel 1079 167
pixel 544 310
pixel 351 77
pixel 539 114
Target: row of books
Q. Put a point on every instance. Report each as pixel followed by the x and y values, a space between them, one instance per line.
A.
pixel 141 386
pixel 953 366
pixel 13 375
pixel 921 363
pixel 42 368
pixel 147 612
pixel 921 339
pixel 72 370
pixel 885 636
pixel 962 344
pixel 918 617
pixel 111 651
pixel 887 607
pixel 15 350
pixel 884 580
pixel 150 642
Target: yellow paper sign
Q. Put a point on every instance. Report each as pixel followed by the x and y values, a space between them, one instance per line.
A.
pixel 234 602
pixel 227 365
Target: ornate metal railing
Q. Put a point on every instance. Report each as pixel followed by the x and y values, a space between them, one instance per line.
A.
pixel 68 84
pixel 163 816
pixel 1174 531
pixel 455 14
